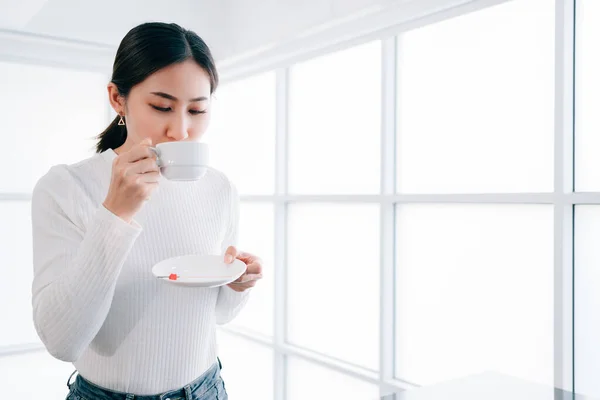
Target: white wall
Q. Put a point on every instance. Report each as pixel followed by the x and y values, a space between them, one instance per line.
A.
pixel 259 31
pixel 233 28
pixel 102 22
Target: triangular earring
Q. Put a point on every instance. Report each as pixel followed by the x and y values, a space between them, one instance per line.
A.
pixel 121 121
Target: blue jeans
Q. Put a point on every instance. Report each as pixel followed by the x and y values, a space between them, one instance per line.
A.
pixel 209 386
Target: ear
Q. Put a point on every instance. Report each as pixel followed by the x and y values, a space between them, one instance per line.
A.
pixel 116 100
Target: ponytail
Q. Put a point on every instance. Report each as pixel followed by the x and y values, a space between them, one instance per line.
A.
pixel 113 136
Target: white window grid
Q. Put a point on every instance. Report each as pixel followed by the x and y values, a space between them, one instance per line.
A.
pixel 563 199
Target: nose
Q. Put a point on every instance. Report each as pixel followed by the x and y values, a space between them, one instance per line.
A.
pixel 178 129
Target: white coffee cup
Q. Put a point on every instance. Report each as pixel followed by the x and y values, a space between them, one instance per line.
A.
pixel 182 161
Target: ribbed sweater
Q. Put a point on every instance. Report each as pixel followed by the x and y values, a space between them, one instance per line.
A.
pixel 95 300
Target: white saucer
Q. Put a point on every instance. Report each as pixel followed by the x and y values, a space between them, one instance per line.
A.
pixel 199 270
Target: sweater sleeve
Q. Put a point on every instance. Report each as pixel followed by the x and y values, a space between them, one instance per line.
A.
pixel 75 267
pixel 230 302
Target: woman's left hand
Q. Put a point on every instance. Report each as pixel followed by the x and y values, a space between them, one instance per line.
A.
pixel 253 269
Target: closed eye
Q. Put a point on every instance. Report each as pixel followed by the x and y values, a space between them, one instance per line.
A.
pixel 161 108
pixel 167 109
pixel 196 112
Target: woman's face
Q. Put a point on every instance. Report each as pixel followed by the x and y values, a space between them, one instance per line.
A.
pixel 172 104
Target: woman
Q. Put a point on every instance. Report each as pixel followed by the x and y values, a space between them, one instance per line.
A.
pixel 97 234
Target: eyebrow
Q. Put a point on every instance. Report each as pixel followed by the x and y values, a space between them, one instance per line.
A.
pixel 170 97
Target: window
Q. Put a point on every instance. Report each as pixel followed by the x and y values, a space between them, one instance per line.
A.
pixel 257 236
pixel 307 380
pixel 476 115
pixel 242 133
pixel 334 123
pixel 333 280
pixel 49 116
pixel 587 123
pixel 587 299
pixel 17 271
pixel 474 280
pixel 474 291
pixel 587 216
pixel 476 102
pixel 247 367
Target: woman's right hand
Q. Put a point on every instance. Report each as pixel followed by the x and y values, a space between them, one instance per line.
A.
pixel 135 175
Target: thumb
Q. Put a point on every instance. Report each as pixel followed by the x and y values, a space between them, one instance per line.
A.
pixel 230 254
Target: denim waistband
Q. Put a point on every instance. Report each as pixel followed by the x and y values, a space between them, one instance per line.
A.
pixel 84 388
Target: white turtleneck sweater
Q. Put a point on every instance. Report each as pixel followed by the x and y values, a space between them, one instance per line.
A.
pixel 95 300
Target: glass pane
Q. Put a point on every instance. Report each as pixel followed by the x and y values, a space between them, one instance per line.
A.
pixel 475 291
pixel 306 380
pixel 50 116
pixel 247 367
pixel 35 375
pixel 476 111
pixel 587 81
pixel 334 114
pixel 17 274
pixel 333 254
pixel 257 237
pixel 242 133
pixel 587 299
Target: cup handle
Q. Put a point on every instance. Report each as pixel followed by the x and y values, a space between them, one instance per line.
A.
pixel 155 151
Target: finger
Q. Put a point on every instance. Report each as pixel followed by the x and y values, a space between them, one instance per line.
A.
pixel 254 268
pixel 248 278
pixel 150 177
pixel 248 258
pixel 230 254
pixel 240 287
pixel 140 152
pixel 143 166
pixel 251 277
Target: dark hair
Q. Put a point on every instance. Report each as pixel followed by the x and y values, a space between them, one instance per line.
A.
pixel 146 49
